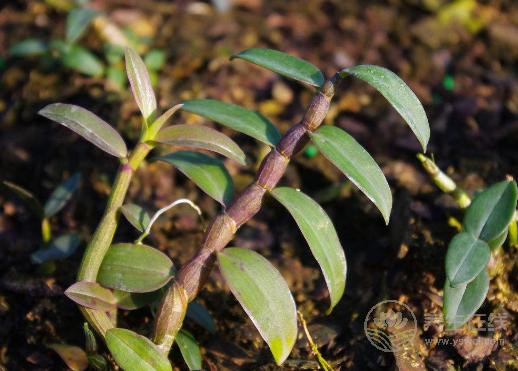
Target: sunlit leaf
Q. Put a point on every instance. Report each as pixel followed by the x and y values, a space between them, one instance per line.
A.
pixel 61 195
pixel 461 302
pixel 88 125
pixel 199 314
pixel 83 60
pixel 189 349
pixel 28 48
pixel 265 297
pixel 235 117
pixel 134 352
pixel 58 249
pixel 133 300
pixel 201 137
pixel 140 83
pixel 78 21
pixel 91 295
pixel 399 95
pixel 491 211
pixel 24 195
pixel 284 64
pixel 357 164
pixel 137 216
pixel 74 357
pixel 206 172
pixel 321 237
pixel 135 268
pixel 467 256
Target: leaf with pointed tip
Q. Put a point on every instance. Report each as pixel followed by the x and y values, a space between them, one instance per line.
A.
pixel 357 164
pixel 265 297
pixel 499 240
pixel 134 352
pixel 135 268
pixel 88 125
pixel 91 295
pixel 28 48
pixel 189 348
pixel 235 117
pixel 83 60
pixel 461 302
pixel 137 216
pixel 133 300
pixel 467 256
pixel 399 95
pixel 201 137
pixel 199 314
pixel 491 211
pixel 283 64
pixel 140 83
pixel 26 196
pixel 206 172
pixel 58 249
pixel 321 237
pixel 78 21
pixel 61 195
pixel 74 357
pixel 162 120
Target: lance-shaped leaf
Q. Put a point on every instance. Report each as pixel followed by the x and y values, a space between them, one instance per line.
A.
pixel 28 48
pixel 461 302
pixel 137 216
pixel 201 137
pixel 134 352
pixel 321 237
pixel 498 241
pixel 61 195
pixel 283 64
pixel 467 256
pixel 235 117
pixel 399 95
pixel 77 23
pixel 357 164
pixel 91 295
pixel 74 357
pixel 88 125
pixel 133 300
pixel 140 83
pixel 190 350
pixel 58 249
pixel 24 195
pixel 265 297
pixel 135 268
pixel 491 211
pixel 82 60
pixel 206 172
pixel 199 314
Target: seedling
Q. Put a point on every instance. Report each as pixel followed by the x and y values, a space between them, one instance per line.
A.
pixel 487 221
pixel 110 271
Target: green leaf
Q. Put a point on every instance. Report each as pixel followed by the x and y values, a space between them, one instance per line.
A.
pixel 199 314
pixel 265 297
pixel 498 241
pixel 135 268
pixel 155 59
pixel 91 295
pixel 28 48
pixel 206 172
pixel 140 83
pixel 78 21
pixel 132 300
pixel 321 237
pixel 461 302
pixel 189 349
pixel 24 195
pixel 357 164
pixel 491 211
pixel 466 258
pixel 137 216
pixel 74 357
pixel 134 352
pixel 235 117
pixel 61 195
pixel 399 95
pixel 283 64
pixel 58 249
pixel 84 61
pixel 201 137
pixel 88 125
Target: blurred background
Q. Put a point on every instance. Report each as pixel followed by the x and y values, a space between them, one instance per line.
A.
pixel 459 57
